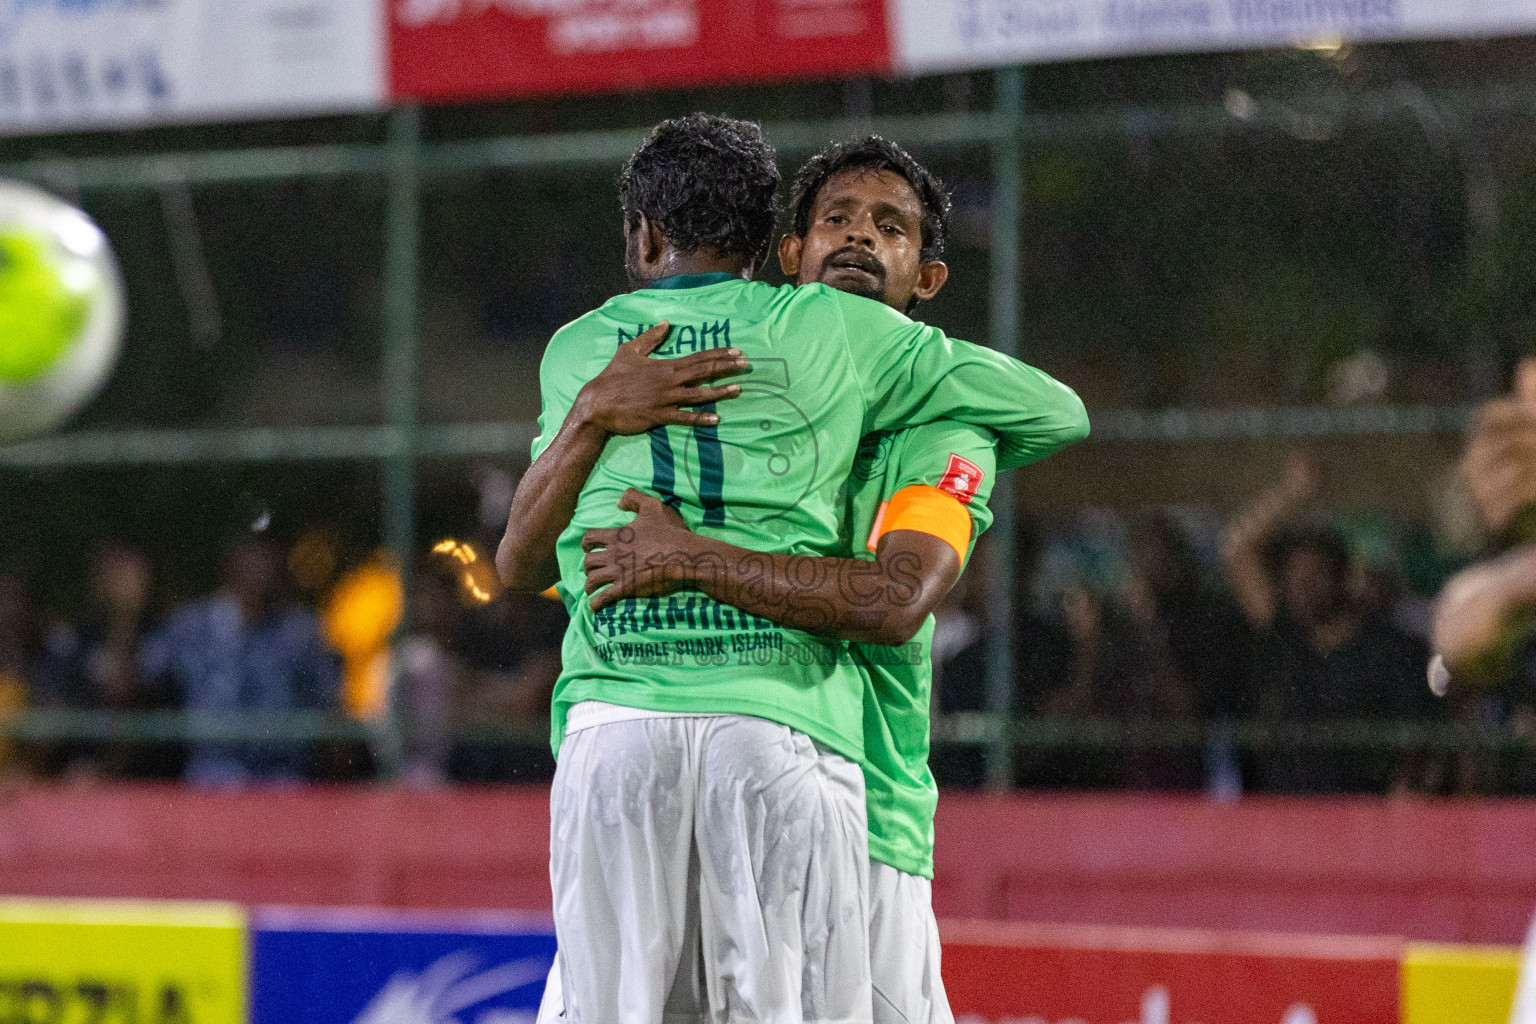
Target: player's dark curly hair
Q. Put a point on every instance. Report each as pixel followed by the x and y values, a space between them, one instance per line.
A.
pixel 711 182
pixel 875 154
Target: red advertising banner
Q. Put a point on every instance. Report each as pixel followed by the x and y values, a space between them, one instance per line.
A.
pixel 1067 974
pixel 466 49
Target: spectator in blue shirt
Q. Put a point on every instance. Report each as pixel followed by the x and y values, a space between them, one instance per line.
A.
pixel 246 651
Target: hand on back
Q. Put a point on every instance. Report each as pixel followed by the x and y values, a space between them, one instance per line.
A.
pixel 650 557
pixel 636 392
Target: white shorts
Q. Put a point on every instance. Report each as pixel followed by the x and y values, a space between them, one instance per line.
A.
pixel 904 949
pixel 1524 1010
pixel 904 957
pixel 723 853
pixel 685 1002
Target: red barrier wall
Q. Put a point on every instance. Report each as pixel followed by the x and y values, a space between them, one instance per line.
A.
pixel 322 846
pixel 1099 975
pixel 1438 870
pixel 1452 871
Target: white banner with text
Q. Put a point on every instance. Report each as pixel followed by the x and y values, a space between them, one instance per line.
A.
pixel 934 35
pixel 115 63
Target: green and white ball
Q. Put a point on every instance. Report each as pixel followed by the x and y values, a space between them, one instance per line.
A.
pixel 61 310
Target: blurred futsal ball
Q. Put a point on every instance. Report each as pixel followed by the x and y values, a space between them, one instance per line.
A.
pixel 61 310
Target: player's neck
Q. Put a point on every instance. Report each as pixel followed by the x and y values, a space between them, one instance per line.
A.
pixel 677 264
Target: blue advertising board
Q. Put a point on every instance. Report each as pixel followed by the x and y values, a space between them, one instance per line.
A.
pixel 387 967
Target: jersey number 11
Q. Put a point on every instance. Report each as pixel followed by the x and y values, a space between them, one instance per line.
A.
pixel 711 469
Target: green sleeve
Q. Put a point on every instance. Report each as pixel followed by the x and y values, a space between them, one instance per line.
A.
pixel 925 459
pixel 559 383
pixel 911 374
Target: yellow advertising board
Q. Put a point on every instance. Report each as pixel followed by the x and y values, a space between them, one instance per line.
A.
pixel 1445 984
pixel 122 962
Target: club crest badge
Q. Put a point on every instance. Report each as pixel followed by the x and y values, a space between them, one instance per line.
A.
pixel 962 478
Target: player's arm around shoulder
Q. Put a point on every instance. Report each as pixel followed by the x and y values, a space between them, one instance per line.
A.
pixel 936 494
pixel 913 374
pixel 1038 415
pixel 881 601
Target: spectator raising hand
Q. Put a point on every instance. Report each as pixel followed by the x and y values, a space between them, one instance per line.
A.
pixel 1244 545
pixel 1319 656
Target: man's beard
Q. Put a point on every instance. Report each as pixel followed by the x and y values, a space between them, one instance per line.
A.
pixel 872 291
pixel 875 289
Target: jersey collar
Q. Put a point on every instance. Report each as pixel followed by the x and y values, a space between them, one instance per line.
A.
pixel 689 281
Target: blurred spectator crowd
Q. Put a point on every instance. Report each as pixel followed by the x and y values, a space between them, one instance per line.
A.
pixel 1149 646
pixel 1148 643
pixel 255 655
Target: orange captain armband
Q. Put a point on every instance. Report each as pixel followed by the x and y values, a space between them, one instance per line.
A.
pixel 927 510
pixel 552 593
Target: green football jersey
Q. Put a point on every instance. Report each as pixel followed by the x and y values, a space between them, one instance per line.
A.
pixel 961 460
pixel 827 368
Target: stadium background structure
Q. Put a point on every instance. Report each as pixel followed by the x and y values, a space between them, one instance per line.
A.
pixel 402 441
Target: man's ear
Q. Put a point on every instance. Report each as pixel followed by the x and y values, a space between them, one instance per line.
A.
pixel 649 240
pixel 930 278
pixel 790 247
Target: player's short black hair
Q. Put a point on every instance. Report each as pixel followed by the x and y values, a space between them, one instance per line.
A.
pixel 875 154
pixel 710 182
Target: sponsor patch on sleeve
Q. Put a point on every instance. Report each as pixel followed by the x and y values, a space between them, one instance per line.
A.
pixel 962 478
